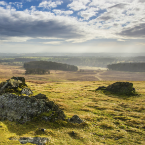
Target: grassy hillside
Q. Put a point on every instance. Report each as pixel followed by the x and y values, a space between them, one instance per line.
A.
pixel 109 119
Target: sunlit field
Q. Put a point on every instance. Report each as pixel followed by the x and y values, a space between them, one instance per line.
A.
pixel 108 119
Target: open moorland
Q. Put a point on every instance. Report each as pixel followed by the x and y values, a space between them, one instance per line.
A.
pixel 109 119
pixel 88 74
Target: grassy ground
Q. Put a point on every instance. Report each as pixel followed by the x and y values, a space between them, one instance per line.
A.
pixel 109 119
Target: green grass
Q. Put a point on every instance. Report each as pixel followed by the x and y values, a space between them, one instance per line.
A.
pixel 109 119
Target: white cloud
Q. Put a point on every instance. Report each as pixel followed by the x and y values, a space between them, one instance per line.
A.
pixel 14 39
pixel 77 5
pixel 53 42
pixel 120 21
pixel 90 12
pixel 49 4
pixel 60 12
pixel 17 4
pixel 3 3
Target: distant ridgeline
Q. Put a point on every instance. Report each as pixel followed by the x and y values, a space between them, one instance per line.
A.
pixel 131 67
pixel 42 67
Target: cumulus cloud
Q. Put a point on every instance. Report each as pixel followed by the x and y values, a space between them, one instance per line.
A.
pixel 105 19
pixel 90 12
pixel 3 3
pixel 17 4
pixel 34 24
pixel 77 5
pixel 60 12
pixel 50 4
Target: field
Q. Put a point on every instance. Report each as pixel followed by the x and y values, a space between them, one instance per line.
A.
pixel 109 119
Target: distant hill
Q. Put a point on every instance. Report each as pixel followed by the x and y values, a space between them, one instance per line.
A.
pixel 131 67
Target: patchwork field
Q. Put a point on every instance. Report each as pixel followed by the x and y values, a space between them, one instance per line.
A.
pixel 109 119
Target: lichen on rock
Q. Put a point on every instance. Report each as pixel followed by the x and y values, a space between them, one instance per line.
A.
pixel 13 85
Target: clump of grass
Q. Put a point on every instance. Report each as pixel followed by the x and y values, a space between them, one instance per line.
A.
pixel 123 118
pixel 106 125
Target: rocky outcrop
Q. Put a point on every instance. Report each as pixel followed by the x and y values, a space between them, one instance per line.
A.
pixel 24 108
pixel 13 85
pixel 122 88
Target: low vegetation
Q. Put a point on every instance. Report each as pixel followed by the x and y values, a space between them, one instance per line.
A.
pixel 109 118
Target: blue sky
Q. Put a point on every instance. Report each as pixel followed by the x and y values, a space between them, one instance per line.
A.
pixel 79 26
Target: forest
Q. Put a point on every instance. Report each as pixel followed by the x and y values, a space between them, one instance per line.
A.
pixel 42 67
pixel 131 67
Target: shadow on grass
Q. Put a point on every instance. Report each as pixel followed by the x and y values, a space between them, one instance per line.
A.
pixel 20 129
pixel 117 95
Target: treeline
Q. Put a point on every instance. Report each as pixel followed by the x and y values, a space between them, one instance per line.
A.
pixel 45 66
pixel 37 71
pixel 85 61
pixel 131 67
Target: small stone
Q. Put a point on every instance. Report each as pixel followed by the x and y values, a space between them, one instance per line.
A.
pixel 76 119
pixel 34 140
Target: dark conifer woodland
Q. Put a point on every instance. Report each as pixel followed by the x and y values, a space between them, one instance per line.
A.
pixel 42 67
pixel 131 67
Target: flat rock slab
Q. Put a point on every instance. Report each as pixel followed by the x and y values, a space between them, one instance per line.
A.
pixel 34 140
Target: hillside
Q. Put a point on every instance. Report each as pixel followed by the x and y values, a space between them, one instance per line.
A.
pixel 109 119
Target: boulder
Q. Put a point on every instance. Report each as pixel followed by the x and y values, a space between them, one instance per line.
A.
pixel 121 88
pixel 75 119
pixel 23 108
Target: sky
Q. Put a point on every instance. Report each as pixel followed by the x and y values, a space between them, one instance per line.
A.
pixel 72 26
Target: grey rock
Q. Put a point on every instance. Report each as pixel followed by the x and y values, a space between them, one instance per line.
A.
pixel 23 108
pixel 33 140
pixel 12 83
pixel 75 119
pixel 122 88
pixel 26 91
